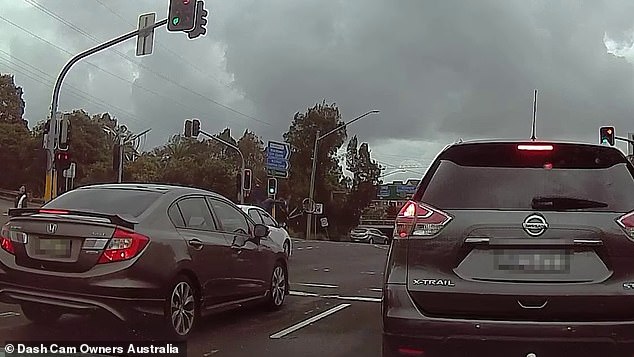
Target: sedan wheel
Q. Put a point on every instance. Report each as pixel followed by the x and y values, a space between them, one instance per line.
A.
pixel 182 312
pixel 278 287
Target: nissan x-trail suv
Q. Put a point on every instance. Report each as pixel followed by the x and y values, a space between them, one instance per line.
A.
pixel 514 249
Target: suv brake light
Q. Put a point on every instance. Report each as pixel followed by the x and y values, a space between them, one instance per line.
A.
pixel 420 220
pixel 123 245
pixel 627 224
pixel 5 240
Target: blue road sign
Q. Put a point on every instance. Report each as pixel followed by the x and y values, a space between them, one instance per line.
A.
pixel 279 149
pixel 277 164
pixel 277 155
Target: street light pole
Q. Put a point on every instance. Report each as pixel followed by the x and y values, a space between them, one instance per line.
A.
pixel 241 158
pixel 312 174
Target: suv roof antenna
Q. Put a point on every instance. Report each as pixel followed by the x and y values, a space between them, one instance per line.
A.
pixel 533 137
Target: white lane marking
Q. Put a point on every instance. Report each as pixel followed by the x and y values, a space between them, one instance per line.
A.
pixel 339 297
pixel 376 289
pixel 9 314
pixel 315 285
pixel 353 298
pixel 368 272
pixel 308 321
pixel 302 293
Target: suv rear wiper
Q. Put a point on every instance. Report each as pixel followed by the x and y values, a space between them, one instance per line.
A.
pixel 560 203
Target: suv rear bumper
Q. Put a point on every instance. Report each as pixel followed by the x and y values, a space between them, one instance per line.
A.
pixel 405 327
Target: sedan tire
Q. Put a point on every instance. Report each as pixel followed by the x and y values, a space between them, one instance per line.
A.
pixel 278 288
pixel 181 309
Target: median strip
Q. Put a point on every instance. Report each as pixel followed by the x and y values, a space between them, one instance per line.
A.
pixel 308 321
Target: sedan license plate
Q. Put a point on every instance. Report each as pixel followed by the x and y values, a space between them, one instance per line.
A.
pixel 55 248
pixel 538 261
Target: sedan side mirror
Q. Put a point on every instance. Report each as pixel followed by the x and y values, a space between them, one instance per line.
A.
pixel 260 231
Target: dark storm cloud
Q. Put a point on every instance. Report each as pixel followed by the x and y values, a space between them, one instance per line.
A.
pixel 437 70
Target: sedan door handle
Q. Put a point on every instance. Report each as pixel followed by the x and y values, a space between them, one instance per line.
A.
pixel 195 243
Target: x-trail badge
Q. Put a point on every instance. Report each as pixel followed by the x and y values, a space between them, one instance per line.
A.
pixel 51 228
pixel 535 225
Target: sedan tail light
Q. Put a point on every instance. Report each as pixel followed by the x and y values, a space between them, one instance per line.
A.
pixel 5 240
pixel 123 245
pixel 627 224
pixel 420 220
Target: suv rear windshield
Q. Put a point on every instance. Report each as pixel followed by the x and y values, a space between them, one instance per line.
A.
pixel 124 202
pixel 500 176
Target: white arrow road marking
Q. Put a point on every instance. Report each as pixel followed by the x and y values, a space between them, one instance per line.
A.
pixel 308 321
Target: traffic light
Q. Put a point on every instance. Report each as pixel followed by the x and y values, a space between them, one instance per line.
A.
pixel 607 135
pixel 200 22
pixel 181 15
pixel 247 180
pixel 62 160
pixel 188 128
pixel 195 128
pixel 272 186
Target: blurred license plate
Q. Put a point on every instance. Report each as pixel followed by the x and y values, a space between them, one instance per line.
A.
pixel 58 248
pixel 539 261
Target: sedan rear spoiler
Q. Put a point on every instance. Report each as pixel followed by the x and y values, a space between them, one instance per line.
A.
pixel 113 218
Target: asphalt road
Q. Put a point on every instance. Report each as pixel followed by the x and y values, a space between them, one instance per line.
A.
pixel 333 310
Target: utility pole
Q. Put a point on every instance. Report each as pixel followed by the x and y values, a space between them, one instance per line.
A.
pixel 312 174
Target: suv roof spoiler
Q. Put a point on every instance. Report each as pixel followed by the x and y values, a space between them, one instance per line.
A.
pixel 113 218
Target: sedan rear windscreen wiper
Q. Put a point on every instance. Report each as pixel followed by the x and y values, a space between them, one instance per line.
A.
pixel 561 203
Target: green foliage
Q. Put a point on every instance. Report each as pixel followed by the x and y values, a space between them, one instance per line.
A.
pixel 11 102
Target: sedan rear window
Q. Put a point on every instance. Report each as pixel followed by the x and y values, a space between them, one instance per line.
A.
pixel 123 202
pixel 502 177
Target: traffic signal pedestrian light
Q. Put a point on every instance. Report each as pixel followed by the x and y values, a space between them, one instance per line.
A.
pixel 200 22
pixel 188 128
pixel 62 160
pixel 607 135
pixel 272 186
pixel 181 15
pixel 195 128
pixel 247 180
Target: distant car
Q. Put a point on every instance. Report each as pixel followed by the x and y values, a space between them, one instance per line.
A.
pixel 278 232
pixel 368 235
pixel 514 248
pixel 138 251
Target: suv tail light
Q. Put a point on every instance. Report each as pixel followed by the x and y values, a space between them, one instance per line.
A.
pixel 5 240
pixel 420 220
pixel 123 245
pixel 627 224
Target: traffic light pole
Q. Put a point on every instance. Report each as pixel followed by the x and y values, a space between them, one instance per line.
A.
pixel 241 157
pixel 50 169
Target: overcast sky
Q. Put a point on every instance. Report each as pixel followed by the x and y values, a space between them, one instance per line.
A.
pixel 437 70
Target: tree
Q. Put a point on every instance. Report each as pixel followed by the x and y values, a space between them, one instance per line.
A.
pixel 11 102
pixel 301 137
pixel 17 153
pixel 365 180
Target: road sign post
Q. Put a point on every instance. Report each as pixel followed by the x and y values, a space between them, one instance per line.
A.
pixel 145 39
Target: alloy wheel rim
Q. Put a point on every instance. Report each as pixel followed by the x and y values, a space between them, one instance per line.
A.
pixel 182 308
pixel 278 287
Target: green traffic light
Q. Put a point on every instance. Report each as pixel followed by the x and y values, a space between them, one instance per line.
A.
pixel 176 20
